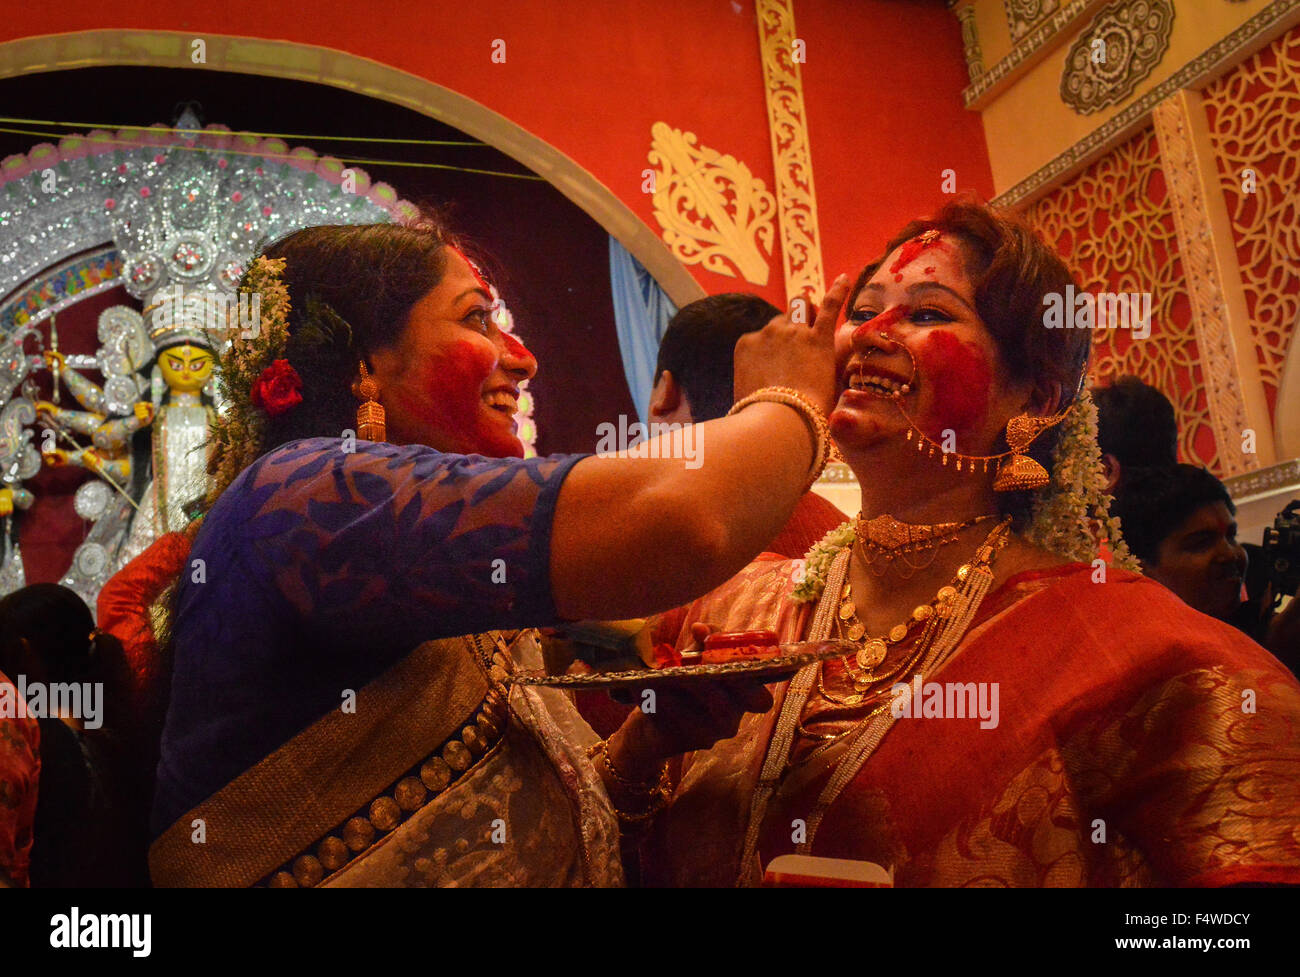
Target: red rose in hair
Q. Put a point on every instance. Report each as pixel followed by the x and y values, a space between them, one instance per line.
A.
pixel 278 389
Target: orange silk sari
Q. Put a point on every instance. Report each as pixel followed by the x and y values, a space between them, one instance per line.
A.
pixel 1138 743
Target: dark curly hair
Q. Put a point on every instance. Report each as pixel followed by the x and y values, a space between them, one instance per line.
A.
pixel 1012 270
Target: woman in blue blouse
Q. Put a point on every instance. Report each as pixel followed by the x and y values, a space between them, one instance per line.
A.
pixel 338 711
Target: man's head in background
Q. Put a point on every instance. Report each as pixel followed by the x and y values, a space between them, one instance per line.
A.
pixel 1136 428
pixel 695 374
pixel 1179 521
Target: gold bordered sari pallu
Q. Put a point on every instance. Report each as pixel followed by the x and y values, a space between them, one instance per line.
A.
pixel 335 791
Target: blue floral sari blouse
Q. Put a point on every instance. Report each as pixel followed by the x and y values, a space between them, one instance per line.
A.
pixel 319 568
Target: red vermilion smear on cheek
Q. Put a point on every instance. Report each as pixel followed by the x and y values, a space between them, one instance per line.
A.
pixel 959 378
pixel 450 403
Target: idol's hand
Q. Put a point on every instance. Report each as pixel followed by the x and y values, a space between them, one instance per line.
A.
pixel 143 410
pixel 53 357
pixel 792 352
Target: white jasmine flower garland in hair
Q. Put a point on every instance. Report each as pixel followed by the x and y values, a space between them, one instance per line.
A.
pixel 1073 512
pixel 237 435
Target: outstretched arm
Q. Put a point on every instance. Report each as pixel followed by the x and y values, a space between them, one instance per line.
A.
pixel 633 536
pixel 89 395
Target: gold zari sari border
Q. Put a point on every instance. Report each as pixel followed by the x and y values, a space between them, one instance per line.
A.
pixel 375 821
pixel 296 795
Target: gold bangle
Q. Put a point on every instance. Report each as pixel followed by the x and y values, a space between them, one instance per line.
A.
pixel 657 795
pixel 644 788
pixel 811 414
pixel 658 802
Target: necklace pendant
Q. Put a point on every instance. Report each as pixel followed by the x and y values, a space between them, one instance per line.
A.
pixel 855 631
pixel 871 654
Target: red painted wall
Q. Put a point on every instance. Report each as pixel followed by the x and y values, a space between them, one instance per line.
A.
pixel 882 85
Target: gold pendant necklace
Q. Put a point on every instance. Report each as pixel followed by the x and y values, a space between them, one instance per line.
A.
pixel 873 650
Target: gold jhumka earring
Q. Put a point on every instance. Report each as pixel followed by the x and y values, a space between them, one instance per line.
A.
pixel 1015 469
pixel 1019 471
pixel 371 420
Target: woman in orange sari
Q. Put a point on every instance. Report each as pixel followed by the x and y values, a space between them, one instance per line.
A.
pixel 1016 712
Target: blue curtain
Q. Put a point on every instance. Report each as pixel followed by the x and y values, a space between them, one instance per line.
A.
pixel 641 313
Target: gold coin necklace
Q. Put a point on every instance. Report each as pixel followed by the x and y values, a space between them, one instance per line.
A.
pixel 874 650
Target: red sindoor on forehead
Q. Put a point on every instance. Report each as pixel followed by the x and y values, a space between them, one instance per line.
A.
pixel 912 249
pixel 478 277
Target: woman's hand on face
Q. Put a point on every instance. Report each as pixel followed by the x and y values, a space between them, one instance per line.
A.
pixel 787 353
